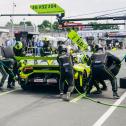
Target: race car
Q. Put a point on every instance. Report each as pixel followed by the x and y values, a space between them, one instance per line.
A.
pixel 45 71
pixel 38 71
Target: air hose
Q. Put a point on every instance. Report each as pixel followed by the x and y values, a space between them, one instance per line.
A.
pixel 96 101
pixel 99 102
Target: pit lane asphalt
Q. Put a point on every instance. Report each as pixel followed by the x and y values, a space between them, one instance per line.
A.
pixel 45 108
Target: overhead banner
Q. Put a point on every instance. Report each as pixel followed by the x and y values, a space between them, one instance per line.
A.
pixel 51 8
pixel 79 41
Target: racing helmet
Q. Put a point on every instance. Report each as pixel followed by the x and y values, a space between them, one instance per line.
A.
pixel 71 51
pixel 62 49
pixel 18 45
pixel 60 43
pixel 98 47
pixel 45 39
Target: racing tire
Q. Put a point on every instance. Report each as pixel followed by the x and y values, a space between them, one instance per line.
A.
pixel 24 87
pixel 123 83
pixel 77 83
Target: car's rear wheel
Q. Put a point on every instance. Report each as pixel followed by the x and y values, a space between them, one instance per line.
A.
pixel 81 88
pixel 24 87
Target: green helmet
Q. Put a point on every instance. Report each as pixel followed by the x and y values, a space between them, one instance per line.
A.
pixel 62 49
pixel 18 45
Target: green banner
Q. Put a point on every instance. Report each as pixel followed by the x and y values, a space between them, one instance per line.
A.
pixel 75 38
pixel 51 8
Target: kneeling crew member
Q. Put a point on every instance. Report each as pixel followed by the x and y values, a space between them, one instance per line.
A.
pixel 66 72
pixel 105 66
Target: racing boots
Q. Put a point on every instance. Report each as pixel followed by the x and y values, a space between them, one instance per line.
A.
pixel 61 94
pixel 67 96
pixel 115 95
pixel 1 87
pixel 11 86
pixel 104 88
pixel 97 92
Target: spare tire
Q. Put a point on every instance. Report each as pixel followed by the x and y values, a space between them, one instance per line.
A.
pixel 123 82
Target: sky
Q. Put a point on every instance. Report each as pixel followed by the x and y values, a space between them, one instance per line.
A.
pixel 71 7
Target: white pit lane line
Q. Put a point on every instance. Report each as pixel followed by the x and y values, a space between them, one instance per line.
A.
pixel 7 92
pixel 108 113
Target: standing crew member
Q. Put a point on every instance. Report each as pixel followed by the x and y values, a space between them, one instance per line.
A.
pixel 18 49
pixel 46 49
pixel 105 66
pixel 4 74
pixel 6 67
pixel 66 72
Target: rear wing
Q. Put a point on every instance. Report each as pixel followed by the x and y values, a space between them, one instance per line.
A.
pixel 48 60
pixel 36 58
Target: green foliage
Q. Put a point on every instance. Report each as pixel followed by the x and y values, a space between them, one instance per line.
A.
pixel 55 25
pixel 28 23
pixel 47 24
pixel 44 26
pixel 8 24
pixel 41 27
pixel 21 23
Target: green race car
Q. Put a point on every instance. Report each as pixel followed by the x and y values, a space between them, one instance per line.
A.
pixel 38 71
pixel 45 71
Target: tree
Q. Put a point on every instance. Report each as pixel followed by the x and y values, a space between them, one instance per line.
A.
pixel 45 26
pixel 55 25
pixel 21 23
pixel 28 23
pixel 41 27
pixel 8 24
